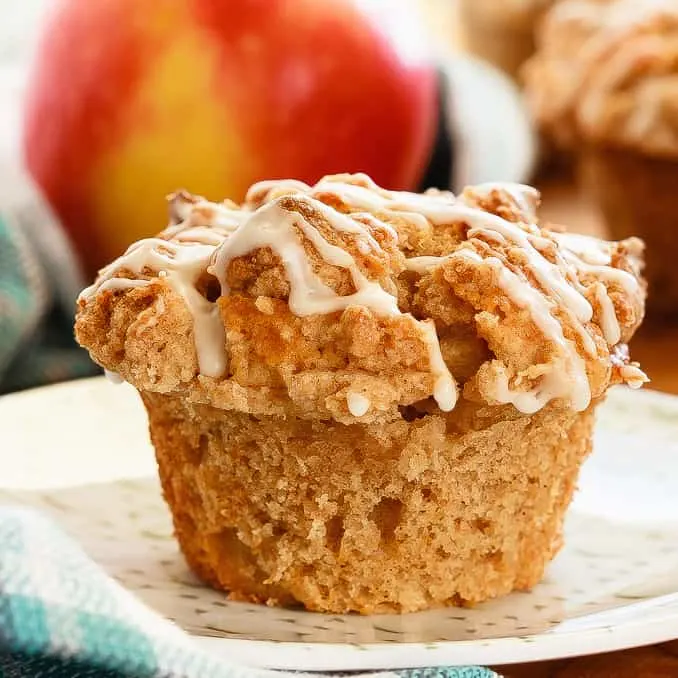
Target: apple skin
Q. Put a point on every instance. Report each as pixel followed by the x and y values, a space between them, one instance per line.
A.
pixel 132 99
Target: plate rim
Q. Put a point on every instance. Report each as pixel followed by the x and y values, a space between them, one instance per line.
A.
pixel 292 656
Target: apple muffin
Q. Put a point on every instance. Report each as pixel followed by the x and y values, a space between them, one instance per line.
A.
pixel 368 400
pixel 604 85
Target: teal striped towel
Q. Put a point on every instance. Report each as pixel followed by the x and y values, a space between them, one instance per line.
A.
pixel 39 282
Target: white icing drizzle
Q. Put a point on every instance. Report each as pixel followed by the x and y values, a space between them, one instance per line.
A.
pixel 444 209
pixel 592 257
pixel 352 194
pixel 201 235
pixel 188 211
pixel 209 236
pixel 182 264
pixel 444 386
pixel 113 377
pixel 424 264
pixel 113 284
pixel 567 377
pixel 419 208
pixel 573 256
pixel 549 275
pixel 611 275
pixel 357 403
pixel 274 227
pixel 589 250
pixel 277 186
pixel 608 318
pixel 633 376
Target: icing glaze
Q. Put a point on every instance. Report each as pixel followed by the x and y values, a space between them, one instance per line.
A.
pixel 566 377
pixel 553 273
pixel 423 264
pixel 113 377
pixel 608 318
pixel 180 264
pixel 274 227
pixel 633 376
pixel 358 404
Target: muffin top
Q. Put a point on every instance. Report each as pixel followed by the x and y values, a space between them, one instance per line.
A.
pixel 606 71
pixel 347 301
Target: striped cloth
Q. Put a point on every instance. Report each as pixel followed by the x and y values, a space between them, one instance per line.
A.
pixel 61 616
pixel 39 281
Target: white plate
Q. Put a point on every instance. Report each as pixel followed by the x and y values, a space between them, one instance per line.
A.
pixel 81 453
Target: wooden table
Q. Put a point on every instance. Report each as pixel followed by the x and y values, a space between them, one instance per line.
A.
pixel 656 661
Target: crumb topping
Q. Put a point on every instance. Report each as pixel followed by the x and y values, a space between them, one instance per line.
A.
pixel 346 300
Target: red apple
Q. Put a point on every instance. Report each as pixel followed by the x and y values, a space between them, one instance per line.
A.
pixel 131 99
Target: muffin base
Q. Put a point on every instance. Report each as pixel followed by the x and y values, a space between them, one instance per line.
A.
pixel 403 516
pixel 636 195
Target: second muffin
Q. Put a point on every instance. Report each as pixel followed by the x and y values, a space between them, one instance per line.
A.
pixel 604 82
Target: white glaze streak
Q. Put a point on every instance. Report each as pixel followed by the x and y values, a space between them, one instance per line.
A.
pixel 358 404
pixel 567 377
pixel 271 226
pixel 210 236
pixel 633 376
pixel 608 318
pixel 423 264
pixel 274 227
pixel 574 256
pixel 180 265
pixel 444 387
pixel 113 377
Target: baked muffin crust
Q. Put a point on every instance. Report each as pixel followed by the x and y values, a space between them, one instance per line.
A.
pixel 305 297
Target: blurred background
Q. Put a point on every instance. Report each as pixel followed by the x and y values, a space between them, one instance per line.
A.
pixel 108 105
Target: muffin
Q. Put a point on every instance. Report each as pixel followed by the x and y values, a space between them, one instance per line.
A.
pixel 501 32
pixel 365 400
pixel 604 82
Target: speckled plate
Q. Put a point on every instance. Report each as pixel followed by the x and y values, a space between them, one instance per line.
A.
pixel 81 453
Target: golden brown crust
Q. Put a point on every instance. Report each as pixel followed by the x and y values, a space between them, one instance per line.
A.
pixel 306 364
pixel 405 517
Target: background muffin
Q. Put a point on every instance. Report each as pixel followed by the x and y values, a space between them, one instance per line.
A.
pixel 604 83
